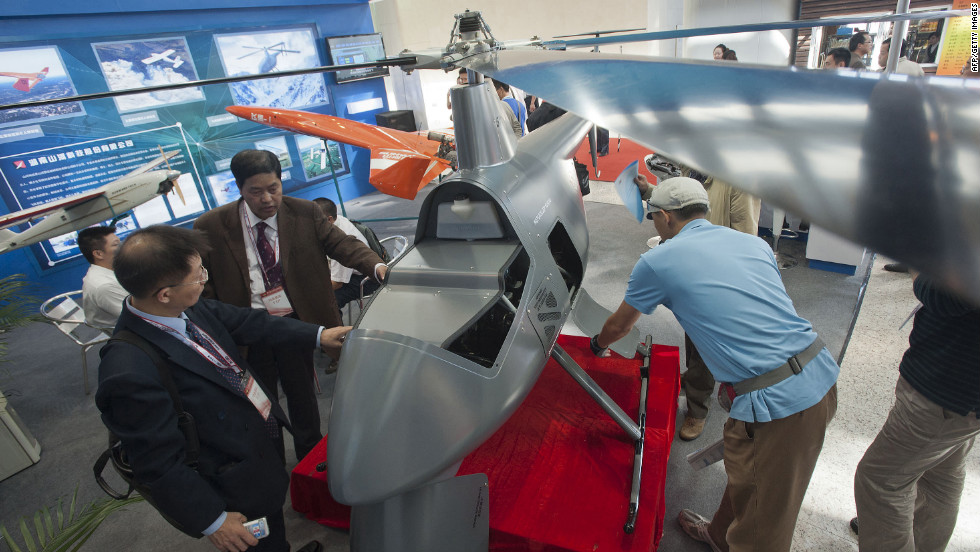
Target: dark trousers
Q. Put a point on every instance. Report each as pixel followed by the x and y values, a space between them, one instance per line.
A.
pixel 698 382
pixel 276 541
pixel 351 291
pixel 294 369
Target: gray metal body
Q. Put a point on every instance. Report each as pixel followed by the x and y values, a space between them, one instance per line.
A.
pixel 440 360
pixel 451 515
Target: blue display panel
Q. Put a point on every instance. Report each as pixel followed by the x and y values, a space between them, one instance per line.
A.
pixel 51 152
pixel 261 52
pixel 34 74
pixel 152 62
pixel 354 49
pixel 36 177
pixel 320 157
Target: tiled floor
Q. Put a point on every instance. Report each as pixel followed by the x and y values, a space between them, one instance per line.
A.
pixel 866 392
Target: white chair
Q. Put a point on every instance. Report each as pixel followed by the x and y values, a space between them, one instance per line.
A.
pixel 64 312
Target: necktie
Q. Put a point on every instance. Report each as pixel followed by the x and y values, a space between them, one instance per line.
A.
pixel 237 380
pixel 271 270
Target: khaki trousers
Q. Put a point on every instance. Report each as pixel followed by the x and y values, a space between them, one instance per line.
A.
pixel 769 465
pixel 698 382
pixel 908 485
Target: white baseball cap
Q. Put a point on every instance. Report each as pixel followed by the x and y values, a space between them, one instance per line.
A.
pixel 677 193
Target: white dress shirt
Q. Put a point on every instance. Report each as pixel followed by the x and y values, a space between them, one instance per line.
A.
pixel 339 272
pixel 256 282
pixel 102 296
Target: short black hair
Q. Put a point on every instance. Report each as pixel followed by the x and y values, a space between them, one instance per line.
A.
pixel 157 256
pixel 462 70
pixel 889 41
pixel 691 211
pixel 839 55
pixel 723 48
pixel 327 205
pixel 93 238
pixel 856 40
pixel 501 85
pixel 730 55
pixel 248 163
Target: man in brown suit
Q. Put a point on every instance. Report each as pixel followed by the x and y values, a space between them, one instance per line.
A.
pixel 270 252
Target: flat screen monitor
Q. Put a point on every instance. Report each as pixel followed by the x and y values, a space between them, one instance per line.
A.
pixel 353 49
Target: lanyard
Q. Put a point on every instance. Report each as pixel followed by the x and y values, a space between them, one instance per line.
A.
pixel 225 361
pixel 246 223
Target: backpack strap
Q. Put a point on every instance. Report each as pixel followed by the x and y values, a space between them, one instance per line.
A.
pixel 184 420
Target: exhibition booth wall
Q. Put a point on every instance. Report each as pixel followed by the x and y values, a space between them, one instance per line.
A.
pixel 57 150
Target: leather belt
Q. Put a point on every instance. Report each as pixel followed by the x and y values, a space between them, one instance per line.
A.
pixel 790 368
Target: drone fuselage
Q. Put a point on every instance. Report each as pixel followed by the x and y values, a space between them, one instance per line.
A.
pixel 453 343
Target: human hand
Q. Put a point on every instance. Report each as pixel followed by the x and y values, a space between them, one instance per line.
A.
pixel 232 536
pixel 641 183
pixel 333 337
pixel 382 271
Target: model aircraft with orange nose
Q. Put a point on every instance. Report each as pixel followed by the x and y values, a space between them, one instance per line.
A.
pixel 26 81
pixel 401 162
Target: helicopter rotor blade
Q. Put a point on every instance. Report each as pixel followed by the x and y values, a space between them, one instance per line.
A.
pixel 757 27
pixel 888 161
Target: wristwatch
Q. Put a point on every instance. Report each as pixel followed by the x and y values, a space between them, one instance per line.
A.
pixel 594 345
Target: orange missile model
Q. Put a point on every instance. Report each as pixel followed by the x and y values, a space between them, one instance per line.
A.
pixel 401 162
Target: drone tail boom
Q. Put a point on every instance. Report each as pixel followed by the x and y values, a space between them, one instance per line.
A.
pixel 403 177
pixel 401 162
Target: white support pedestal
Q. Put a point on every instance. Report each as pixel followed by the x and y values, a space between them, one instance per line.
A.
pixel 18 448
pixel 827 251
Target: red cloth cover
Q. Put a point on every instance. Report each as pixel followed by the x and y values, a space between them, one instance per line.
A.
pixel 560 469
pixel 614 163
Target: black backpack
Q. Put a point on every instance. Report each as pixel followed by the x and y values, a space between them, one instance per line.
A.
pixel 373 242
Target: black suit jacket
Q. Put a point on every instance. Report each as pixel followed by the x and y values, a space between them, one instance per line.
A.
pixel 239 466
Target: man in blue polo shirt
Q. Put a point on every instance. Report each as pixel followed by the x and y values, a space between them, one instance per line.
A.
pixel 724 288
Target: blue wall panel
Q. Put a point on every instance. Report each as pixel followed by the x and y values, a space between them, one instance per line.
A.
pixel 53 22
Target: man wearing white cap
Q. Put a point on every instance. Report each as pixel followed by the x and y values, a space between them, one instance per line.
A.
pixel 724 288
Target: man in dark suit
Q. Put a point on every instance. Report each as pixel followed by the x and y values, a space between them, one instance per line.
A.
pixel 270 252
pixel 240 473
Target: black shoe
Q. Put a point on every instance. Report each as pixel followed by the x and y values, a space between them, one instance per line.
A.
pixel 312 546
pixel 854 525
pixel 896 267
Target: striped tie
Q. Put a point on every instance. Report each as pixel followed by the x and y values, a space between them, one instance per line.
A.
pixel 271 269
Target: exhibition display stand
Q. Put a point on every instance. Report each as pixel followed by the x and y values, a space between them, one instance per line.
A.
pixel 18 448
pixel 827 251
pixel 560 469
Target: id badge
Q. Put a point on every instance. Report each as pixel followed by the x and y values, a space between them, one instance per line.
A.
pixel 255 394
pixel 276 302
